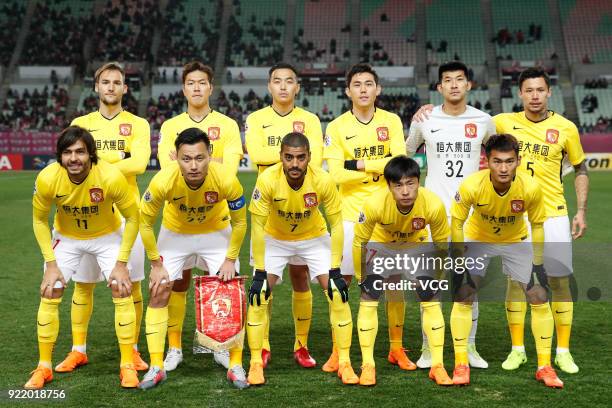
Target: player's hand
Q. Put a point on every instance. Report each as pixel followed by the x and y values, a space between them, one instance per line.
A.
pixel 337 282
pixel 119 279
pixel 227 271
pixel 259 286
pixel 51 276
pixel 158 278
pixel 579 224
pixel 423 113
pixel 172 155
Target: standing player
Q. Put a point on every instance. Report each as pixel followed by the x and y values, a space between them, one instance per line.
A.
pixel 393 220
pixel 85 192
pixel 226 148
pixel 286 223
pixel 264 130
pixel 499 198
pixel 453 135
pixel 358 145
pixel 545 138
pixel 195 194
pixel 122 139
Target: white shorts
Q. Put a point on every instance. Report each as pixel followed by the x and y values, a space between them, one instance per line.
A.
pixel 557 246
pixel 347 267
pixel 88 268
pixel 415 261
pixel 70 252
pixel 184 251
pixel 296 260
pixel 314 253
pixel 517 258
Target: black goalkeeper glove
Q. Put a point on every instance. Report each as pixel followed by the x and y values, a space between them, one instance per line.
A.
pixel 259 286
pixel 350 165
pixel 540 273
pixel 337 281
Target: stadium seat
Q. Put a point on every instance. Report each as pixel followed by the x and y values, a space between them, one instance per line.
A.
pixel 587 30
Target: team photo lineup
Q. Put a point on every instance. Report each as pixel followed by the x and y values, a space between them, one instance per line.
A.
pixel 418 252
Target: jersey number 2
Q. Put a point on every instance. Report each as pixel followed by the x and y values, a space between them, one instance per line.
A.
pixel 454 168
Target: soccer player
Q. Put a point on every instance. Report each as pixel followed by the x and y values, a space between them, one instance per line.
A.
pixel 195 194
pixel 85 192
pixel 264 131
pixel 499 197
pixel 226 148
pixel 545 138
pixel 122 139
pixel 453 135
pixel 357 146
pixel 286 223
pixel 393 220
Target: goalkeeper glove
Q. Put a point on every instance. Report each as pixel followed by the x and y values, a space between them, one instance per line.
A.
pixel 259 286
pixel 336 281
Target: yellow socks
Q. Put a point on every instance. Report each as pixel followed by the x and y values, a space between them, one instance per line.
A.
pixel 342 326
pixel 47 329
pixel 125 317
pixel 156 326
pixel 562 310
pixel 80 314
pixel 433 325
pixel 235 357
pixel 331 329
pixel 461 324
pixel 266 339
pixel 395 320
pixel 301 303
pixel 367 324
pixel 542 327
pixel 257 319
pixel 176 317
pixel 138 307
pixel 516 308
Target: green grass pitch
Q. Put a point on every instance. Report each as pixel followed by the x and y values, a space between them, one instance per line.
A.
pixel 199 382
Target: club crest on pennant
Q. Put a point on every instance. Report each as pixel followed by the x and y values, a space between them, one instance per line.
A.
pixel 517 206
pixel 471 131
pixel 211 197
pixel 221 307
pixel 214 133
pixel 96 195
pixel 382 133
pixel 418 223
pixel 299 127
pixel 125 129
pixel 552 136
pixel 310 200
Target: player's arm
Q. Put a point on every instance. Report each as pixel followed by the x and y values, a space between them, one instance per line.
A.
pixel 397 147
pixel 232 153
pixel 415 139
pixel 576 156
pixel 238 220
pixel 362 235
pixel 260 210
pixel 259 152
pixel 128 207
pixel 165 148
pixel 439 225
pixel 460 209
pixel 316 142
pixel 491 130
pixel 152 201
pixel 140 152
pixel 334 153
pixel 333 211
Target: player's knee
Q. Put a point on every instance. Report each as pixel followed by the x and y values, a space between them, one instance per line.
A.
pixel 161 298
pixel 536 295
pixel 371 287
pixel 182 285
pixel 299 278
pixel 465 294
pixel 424 289
pixel 56 293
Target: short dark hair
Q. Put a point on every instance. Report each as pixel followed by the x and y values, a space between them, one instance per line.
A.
pixel 70 136
pixel 502 142
pixel 399 167
pixel 192 66
pixel 360 68
pixel 282 65
pixel 295 139
pixel 452 66
pixel 533 72
pixel 192 136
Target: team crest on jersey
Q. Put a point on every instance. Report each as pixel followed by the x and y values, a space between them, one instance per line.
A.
pixel 299 127
pixel 147 197
pixel 211 197
pixel 310 200
pixel 256 194
pixel 517 206
pixel 471 131
pixel 382 133
pixel 125 129
pixel 457 197
pixel 418 223
pixel 96 195
pixel 362 218
pixel 214 133
pixel 552 136
pixel 327 140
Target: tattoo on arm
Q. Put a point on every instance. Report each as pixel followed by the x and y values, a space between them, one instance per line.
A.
pixel 581 169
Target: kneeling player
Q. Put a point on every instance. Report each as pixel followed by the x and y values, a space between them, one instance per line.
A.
pixel 287 226
pixel 194 193
pixel 84 192
pixel 394 221
pixel 499 198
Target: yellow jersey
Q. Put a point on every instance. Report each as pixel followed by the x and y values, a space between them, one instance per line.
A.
pixel 265 129
pixel 495 217
pixel 188 211
pixel 222 132
pixel 84 211
pixel 346 138
pixel 543 145
pixel 294 215
pixel 124 140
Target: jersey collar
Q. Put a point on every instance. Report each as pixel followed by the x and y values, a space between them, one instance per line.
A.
pixel 110 119
pixel 286 114
pixel 200 121
pixel 364 123
pixel 549 115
